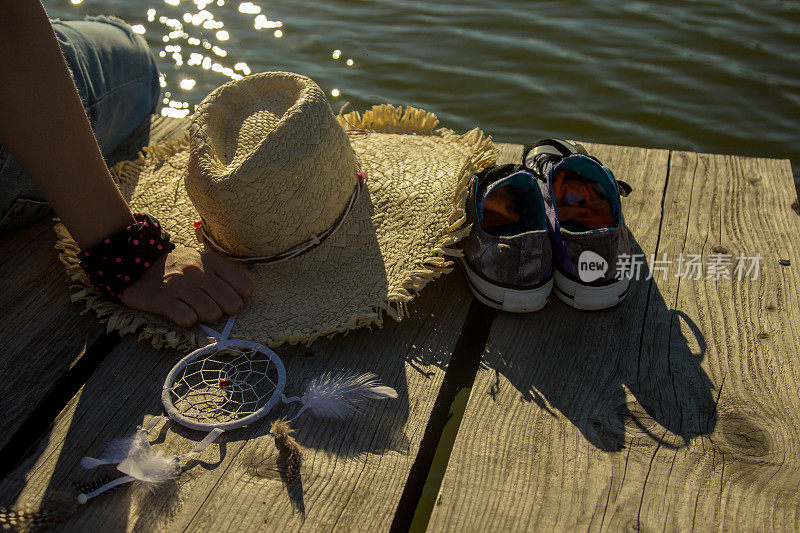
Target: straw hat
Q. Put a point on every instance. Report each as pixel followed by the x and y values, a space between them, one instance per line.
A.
pixel 340 220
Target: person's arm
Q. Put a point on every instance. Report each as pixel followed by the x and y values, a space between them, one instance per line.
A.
pixel 43 124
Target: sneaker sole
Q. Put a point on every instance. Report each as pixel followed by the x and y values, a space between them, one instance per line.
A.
pixel 504 299
pixel 589 298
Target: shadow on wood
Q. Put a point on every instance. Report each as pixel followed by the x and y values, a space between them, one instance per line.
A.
pixel 347 461
pixel 603 375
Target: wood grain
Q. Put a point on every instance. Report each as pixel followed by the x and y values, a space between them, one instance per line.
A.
pixel 153 130
pixel 676 410
pixel 43 334
pixel 353 473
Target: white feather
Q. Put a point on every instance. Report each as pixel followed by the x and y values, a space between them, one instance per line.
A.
pixel 342 395
pixel 115 452
pixel 135 457
pixel 147 465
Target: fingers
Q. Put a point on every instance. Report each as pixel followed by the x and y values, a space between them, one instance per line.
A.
pixel 230 274
pixel 179 312
pixel 223 294
pixel 190 287
pixel 153 299
pixel 202 304
pixel 203 297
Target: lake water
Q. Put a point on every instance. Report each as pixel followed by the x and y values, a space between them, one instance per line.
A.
pixel 710 76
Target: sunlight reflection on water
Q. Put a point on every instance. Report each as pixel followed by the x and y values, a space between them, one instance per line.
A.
pixel 714 76
pixel 195 38
pixel 199 47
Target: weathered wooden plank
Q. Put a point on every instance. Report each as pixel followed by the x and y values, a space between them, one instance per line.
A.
pixel 353 474
pixel 676 410
pixel 13 242
pixel 43 334
pixel 741 468
pixel 154 130
pixel 545 411
pixel 168 129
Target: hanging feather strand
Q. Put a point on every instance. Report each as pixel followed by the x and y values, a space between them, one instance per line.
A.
pixel 134 457
pixel 85 487
pixel 291 455
pixel 342 395
pixel 56 508
pixel 115 451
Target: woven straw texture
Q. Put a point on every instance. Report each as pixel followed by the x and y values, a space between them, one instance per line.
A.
pixel 396 238
pixel 262 152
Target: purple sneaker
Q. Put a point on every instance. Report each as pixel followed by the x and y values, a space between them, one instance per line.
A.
pixel 584 214
pixel 507 255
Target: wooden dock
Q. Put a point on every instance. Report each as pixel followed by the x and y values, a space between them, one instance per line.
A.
pixel 679 409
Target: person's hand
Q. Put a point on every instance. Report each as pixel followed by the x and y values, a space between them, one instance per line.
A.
pixel 185 286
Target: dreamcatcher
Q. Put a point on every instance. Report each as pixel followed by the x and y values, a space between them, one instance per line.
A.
pixel 225 385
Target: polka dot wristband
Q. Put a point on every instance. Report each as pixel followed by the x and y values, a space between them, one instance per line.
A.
pixel 119 260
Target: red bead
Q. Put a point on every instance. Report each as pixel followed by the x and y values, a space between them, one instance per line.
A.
pixel 224 383
pixel 197 224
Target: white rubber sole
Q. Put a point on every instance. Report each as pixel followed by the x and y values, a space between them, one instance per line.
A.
pixel 589 298
pixel 511 300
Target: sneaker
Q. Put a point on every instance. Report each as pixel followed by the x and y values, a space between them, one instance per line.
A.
pixel 507 255
pixel 584 213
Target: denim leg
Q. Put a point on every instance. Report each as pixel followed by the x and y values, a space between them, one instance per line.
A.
pixel 115 73
pixel 118 83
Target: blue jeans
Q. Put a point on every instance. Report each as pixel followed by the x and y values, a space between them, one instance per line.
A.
pixel 118 82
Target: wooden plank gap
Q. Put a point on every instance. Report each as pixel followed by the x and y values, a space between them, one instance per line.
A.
pixel 425 478
pixel 23 442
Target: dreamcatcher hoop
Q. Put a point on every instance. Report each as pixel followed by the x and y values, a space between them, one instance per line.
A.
pixel 229 371
pixel 135 458
pixel 221 390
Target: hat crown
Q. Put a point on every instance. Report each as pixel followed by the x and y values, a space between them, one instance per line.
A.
pixel 270 167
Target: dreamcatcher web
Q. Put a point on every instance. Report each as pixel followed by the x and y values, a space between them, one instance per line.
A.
pixel 223 386
pixel 227 386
